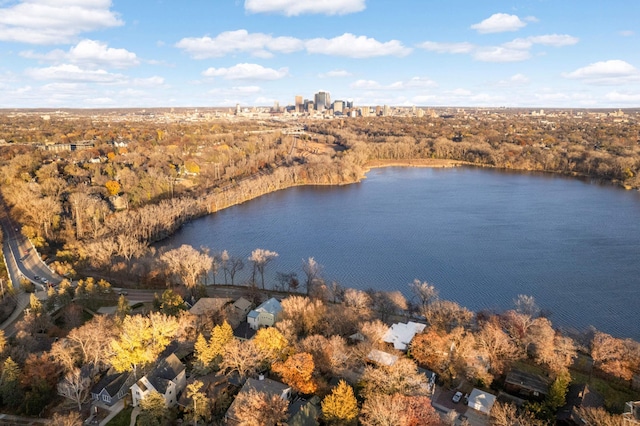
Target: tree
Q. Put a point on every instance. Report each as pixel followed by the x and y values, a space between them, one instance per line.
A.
pixel 313 272
pixel 297 372
pixel 420 412
pixel 260 259
pixel 305 312
pixel 113 187
pixel 340 406
pixel 599 417
pixel 234 265
pixel 172 303
pixel 199 407
pixel 10 390
pixel 255 408
pixel 383 410
pixel 614 356
pixel 425 293
pixel 69 419
pixel 402 377
pixel 271 343
pixel 209 351
pixel 123 309
pixel 153 410
pixel 141 340
pixel 242 357
pixel 507 415
pixel 187 263
pixel 75 386
pixel 91 341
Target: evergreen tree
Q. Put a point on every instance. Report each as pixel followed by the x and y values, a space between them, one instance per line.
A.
pixel 10 390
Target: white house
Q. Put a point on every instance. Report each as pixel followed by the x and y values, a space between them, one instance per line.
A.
pixel 167 378
pixel 401 334
pixel 481 401
pixel 265 315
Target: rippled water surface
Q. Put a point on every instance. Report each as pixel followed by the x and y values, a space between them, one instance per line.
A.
pixel 480 236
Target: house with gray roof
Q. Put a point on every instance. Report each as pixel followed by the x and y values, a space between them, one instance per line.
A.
pixel 168 378
pixel 265 315
pixel 112 388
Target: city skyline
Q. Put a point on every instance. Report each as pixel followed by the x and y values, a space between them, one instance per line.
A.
pixel 151 53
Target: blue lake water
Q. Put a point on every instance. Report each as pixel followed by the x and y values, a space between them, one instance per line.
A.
pixel 480 236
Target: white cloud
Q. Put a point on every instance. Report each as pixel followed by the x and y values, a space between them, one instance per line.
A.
pixel 498 23
pixel 73 73
pixel 89 53
pixel 606 72
pixel 365 84
pixel 228 42
pixel 555 40
pixel 54 22
pixel 411 84
pixel 433 46
pixel 235 91
pixel 335 74
pixel 623 97
pixel 501 54
pixel 299 7
pixel 149 82
pixel 247 72
pixel 626 33
pixel 353 46
pixel 515 80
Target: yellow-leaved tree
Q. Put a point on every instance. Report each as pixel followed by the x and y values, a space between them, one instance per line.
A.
pixel 272 343
pixel 340 406
pixel 113 187
pixel 210 352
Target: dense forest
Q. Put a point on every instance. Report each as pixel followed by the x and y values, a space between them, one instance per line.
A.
pixel 94 210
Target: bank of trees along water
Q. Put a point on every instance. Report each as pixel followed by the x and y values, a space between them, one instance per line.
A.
pixel 97 211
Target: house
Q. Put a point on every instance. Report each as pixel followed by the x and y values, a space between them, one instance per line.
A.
pixel 401 334
pixel 167 378
pixel 268 386
pixel 631 413
pixel 578 396
pixel 526 385
pixel 244 331
pixel 242 307
pixel 208 306
pixel 381 358
pixel 265 315
pixel 481 401
pixel 112 388
pixel 304 413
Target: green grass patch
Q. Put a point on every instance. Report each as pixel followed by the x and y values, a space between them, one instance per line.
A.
pixel 122 419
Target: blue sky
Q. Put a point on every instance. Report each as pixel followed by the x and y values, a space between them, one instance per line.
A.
pixel 207 53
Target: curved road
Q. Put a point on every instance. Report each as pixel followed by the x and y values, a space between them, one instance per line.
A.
pixel 22 261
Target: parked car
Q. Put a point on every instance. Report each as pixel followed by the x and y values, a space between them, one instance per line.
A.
pixel 457 397
pixel 36 277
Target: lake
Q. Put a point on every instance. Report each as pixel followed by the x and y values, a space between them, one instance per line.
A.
pixel 480 236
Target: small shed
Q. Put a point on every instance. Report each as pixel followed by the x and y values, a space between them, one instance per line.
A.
pixel 481 401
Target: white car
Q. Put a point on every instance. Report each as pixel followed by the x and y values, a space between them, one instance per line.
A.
pixel 457 397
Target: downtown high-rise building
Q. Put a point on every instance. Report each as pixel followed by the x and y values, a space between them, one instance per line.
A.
pixel 299 105
pixel 322 101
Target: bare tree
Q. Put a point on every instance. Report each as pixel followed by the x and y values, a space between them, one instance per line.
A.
pixel 75 386
pixel 261 258
pixel 425 293
pixel 234 265
pixel 313 271
pixel 187 263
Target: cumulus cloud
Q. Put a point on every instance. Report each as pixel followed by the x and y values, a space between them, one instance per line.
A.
pixel 411 84
pixel 555 40
pixel 353 46
pixel 54 22
pixel 515 80
pixel 73 73
pixel 623 97
pixel 501 54
pixel 499 23
pixel 89 53
pixel 247 72
pixel 606 72
pixel 229 42
pixel 335 74
pixel 300 7
pixel 265 45
pixel 433 46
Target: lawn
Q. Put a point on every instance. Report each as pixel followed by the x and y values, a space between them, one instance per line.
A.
pixel 122 419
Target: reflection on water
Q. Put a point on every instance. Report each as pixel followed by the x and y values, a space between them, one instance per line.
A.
pixel 480 236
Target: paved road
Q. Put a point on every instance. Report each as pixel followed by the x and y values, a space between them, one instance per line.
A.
pixel 23 261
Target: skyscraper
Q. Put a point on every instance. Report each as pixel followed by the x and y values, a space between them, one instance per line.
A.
pixel 322 101
pixel 299 104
